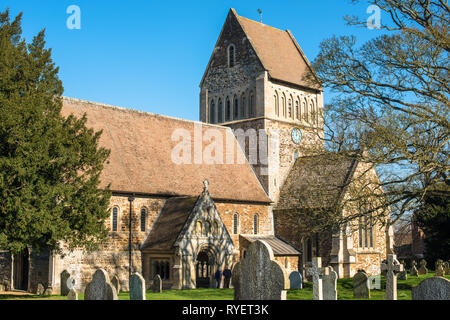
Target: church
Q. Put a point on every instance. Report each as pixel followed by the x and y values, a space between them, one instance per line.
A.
pixel 194 194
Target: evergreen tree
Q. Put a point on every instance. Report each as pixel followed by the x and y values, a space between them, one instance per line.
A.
pixel 49 165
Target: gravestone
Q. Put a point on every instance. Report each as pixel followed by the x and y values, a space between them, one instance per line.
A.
pixel 2 287
pixel 40 289
pixel 392 267
pixel 446 268
pixel 295 280
pixel 440 272
pixel 64 276
pixel 434 288
pixel 116 283
pixel 72 295
pixel 360 285
pixel 137 287
pixel 258 276
pixel 316 271
pixel 423 267
pixel 48 292
pixel 100 288
pixel 329 282
pixel 403 275
pixel 157 284
pixel 414 272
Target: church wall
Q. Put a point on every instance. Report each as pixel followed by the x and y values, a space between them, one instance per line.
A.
pixel 5 269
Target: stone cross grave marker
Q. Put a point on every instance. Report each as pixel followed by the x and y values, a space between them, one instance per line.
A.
pixel 414 271
pixel 258 276
pixel 434 288
pixel 72 295
pixel 403 275
pixel 316 271
pixel 157 284
pixel 116 283
pixel 361 285
pixel 137 287
pixel 100 287
pixel 423 267
pixel 295 280
pixel 392 267
pixel 329 282
pixel 440 272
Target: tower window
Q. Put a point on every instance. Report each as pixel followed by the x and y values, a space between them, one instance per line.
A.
pixel 235 223
pixel 114 218
pixel 228 110
pixel 277 104
pixel 243 106
pixel 252 105
pixel 220 112
pixel 231 54
pixel 143 219
pixel 236 108
pixel 212 113
pixel 255 224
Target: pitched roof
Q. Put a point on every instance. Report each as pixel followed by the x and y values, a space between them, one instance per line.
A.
pixel 279 53
pixel 141 155
pixel 279 246
pixel 170 222
pixel 316 182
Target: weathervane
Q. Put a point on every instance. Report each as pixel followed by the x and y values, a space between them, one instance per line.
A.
pixel 260 15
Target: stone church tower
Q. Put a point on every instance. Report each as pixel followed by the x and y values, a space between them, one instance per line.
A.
pixel 259 80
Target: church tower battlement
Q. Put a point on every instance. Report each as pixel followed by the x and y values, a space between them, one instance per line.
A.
pixel 258 78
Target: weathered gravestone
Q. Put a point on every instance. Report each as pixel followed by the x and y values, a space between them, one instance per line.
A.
pixel 295 280
pixel 48 292
pixel 440 272
pixel 392 267
pixel 2 287
pixel 316 271
pixel 434 288
pixel 64 276
pixel 137 287
pixel 329 282
pixel 423 267
pixel 414 272
pixel 258 276
pixel 40 289
pixel 403 275
pixel 360 285
pixel 157 284
pixel 116 283
pixel 72 295
pixel 447 268
pixel 100 288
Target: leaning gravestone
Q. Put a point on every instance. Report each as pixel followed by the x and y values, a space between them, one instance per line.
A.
pixel 360 285
pixel 434 288
pixel 72 295
pixel 100 288
pixel 258 276
pixel 329 283
pixel 157 284
pixel 116 283
pixel 440 272
pixel 64 276
pixel 295 280
pixel 40 289
pixel 414 272
pixel 423 267
pixel 403 275
pixel 137 287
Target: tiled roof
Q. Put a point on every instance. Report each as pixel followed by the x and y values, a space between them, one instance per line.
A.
pixel 279 246
pixel 279 53
pixel 169 224
pixel 316 182
pixel 141 155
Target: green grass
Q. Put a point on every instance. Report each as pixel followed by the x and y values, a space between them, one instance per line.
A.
pixel 345 292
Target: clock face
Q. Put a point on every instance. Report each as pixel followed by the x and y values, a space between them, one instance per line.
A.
pixel 296 135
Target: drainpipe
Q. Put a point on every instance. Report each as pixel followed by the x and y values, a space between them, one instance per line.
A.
pixel 130 263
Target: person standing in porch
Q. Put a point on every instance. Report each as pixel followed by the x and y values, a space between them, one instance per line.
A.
pixel 218 277
pixel 227 277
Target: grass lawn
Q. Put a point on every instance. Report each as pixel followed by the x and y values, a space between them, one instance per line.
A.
pixel 345 292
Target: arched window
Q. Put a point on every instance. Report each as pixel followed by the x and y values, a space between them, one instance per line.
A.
pixel 305 110
pixel 366 231
pixel 297 110
pixel 207 229
pixel 212 112
pixel 235 223
pixel 220 112
pixel 115 214
pixel 198 228
pixel 252 105
pixel 283 105
pixel 236 108
pixel 243 106
pixel 290 114
pixel 276 104
pixel 313 111
pixel 255 224
pixel 231 55
pixel 143 219
pixel 228 110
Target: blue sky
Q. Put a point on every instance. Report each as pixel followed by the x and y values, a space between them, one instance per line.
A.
pixel 151 55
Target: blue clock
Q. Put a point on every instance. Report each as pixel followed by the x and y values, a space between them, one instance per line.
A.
pixel 296 135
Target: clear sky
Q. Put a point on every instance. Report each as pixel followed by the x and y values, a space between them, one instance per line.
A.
pixel 151 55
